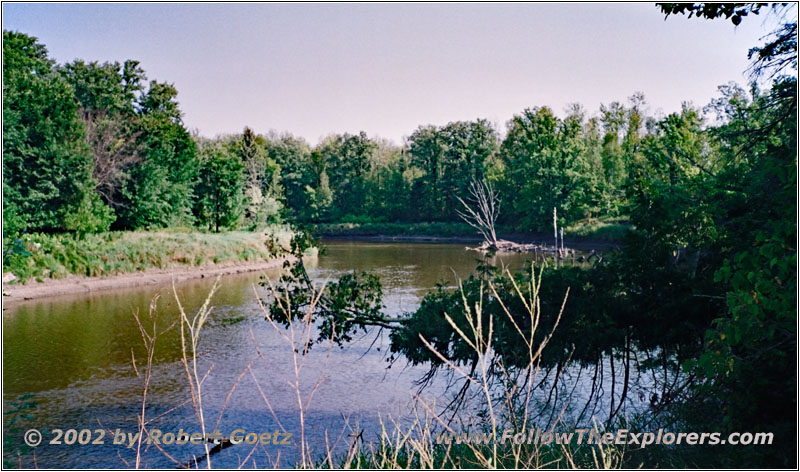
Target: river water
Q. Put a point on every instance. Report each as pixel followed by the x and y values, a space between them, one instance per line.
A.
pixel 73 355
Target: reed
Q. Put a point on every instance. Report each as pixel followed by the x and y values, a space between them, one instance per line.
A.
pixel 495 398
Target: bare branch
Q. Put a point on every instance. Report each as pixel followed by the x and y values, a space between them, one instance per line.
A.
pixel 483 215
pixel 115 149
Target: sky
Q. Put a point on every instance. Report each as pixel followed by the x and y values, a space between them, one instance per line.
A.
pixel 316 69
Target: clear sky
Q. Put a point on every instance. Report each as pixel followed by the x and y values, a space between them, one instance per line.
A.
pixel 314 69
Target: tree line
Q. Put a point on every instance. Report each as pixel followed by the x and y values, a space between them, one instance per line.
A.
pixel 702 292
pixel 92 146
pixel 703 288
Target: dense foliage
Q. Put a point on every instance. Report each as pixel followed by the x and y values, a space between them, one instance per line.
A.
pixel 105 148
pixel 704 288
pixel 47 166
pixel 705 284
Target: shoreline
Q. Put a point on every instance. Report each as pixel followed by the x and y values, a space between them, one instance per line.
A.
pixel 74 284
pixel 577 243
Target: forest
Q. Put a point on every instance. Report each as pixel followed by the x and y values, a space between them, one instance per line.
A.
pixel 704 281
pixel 92 147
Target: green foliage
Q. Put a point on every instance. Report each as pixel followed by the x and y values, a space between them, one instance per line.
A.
pixel 347 161
pixel 319 200
pixel 161 190
pixel 220 202
pixel 89 216
pixel 352 303
pixel 262 177
pixel 86 145
pixel 107 95
pixel 726 198
pixel 37 255
pixel 292 157
pixel 110 87
pixel 548 165
pixel 449 158
pixel 749 362
pixel 706 279
pixel 47 167
pixel 14 222
pixel 127 147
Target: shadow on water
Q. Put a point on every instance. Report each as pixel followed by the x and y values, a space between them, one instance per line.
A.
pixel 74 355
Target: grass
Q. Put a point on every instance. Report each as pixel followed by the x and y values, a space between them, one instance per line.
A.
pixel 414 446
pixel 411 446
pixel 42 256
pixel 440 229
pixel 606 229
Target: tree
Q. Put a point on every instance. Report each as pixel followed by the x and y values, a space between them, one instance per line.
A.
pixel 116 149
pixel 483 216
pixel 262 177
pixel 220 190
pixel 111 87
pixel 107 94
pixel 548 165
pixel 739 210
pixel 159 192
pixel 292 156
pixel 449 158
pixel 748 366
pixel 426 147
pixel 47 167
pixel 348 161
pixel 389 186
pixel 318 194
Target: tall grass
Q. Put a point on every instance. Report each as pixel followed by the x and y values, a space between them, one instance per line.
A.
pixel 504 398
pixel 61 255
pixel 495 407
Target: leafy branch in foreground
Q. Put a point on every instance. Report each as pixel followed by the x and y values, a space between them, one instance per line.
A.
pixel 353 302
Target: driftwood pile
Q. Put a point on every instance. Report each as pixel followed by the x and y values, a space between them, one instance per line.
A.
pixel 506 246
pixel 482 215
pixel 503 245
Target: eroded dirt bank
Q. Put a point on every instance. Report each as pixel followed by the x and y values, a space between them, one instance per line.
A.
pixel 13 293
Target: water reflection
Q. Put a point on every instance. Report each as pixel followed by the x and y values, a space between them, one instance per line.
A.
pixel 74 353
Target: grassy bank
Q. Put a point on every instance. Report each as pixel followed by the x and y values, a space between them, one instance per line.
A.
pixel 41 256
pixel 436 229
pixel 591 229
pixel 610 229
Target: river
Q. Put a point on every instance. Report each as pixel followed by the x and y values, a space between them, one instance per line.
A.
pixel 73 356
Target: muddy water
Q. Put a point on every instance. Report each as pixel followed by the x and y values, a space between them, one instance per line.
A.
pixel 74 356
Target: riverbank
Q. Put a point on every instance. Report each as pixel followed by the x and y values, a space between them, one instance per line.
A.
pixel 593 234
pixel 13 294
pixel 42 265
